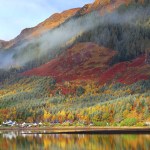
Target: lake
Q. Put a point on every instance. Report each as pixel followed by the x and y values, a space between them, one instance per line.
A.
pixel 10 140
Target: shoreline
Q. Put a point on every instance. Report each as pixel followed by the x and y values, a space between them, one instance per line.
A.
pixel 79 130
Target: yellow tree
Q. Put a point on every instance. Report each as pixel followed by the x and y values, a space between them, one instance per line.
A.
pixel 47 115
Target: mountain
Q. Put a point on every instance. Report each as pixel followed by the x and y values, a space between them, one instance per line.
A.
pixel 88 59
pixel 103 35
pixel 2 43
pixel 52 22
pixel 102 6
pixel 21 50
pixel 55 20
pixel 106 5
pixel 29 33
pixel 83 66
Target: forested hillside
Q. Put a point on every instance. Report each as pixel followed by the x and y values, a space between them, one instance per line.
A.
pixel 35 99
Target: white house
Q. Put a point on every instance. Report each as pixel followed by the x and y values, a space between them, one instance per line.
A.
pixel 9 123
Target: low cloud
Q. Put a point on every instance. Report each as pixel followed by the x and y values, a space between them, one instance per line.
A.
pixel 58 37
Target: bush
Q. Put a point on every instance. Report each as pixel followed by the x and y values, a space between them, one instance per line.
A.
pixel 80 91
pixel 79 124
pixel 66 124
pixel 129 122
pixel 115 124
pixel 140 124
pixel 100 123
pixel 117 86
pixel 104 88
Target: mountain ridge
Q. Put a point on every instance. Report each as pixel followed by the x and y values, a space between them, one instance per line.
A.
pixel 28 33
pixel 58 18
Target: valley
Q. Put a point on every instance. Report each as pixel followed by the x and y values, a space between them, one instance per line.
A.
pixel 83 66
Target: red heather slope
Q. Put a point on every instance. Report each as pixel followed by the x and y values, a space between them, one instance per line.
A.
pixel 127 72
pixel 82 61
pixel 89 61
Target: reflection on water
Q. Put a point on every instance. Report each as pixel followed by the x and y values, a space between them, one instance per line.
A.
pixel 22 141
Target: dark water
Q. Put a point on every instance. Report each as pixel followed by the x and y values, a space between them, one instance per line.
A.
pixel 21 141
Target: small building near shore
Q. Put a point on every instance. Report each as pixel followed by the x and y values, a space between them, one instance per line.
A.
pixel 147 123
pixel 9 123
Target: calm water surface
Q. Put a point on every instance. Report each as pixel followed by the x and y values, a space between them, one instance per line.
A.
pixel 20 141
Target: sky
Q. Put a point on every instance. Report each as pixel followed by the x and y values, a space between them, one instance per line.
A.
pixel 16 15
